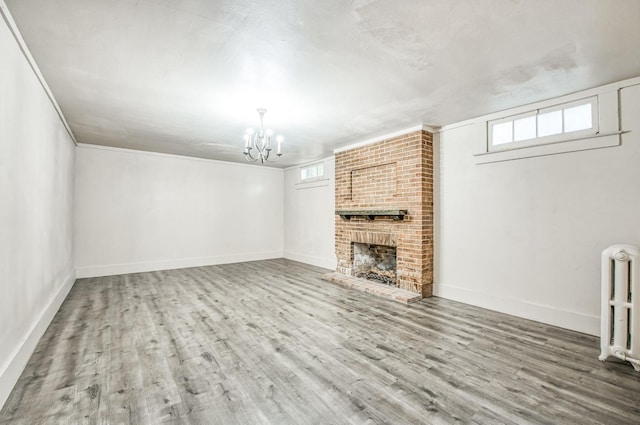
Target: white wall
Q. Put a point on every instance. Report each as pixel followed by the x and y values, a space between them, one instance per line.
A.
pixel 138 211
pixel 309 218
pixel 525 236
pixel 36 207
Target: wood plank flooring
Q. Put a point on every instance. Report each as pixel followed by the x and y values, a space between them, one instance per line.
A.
pixel 269 342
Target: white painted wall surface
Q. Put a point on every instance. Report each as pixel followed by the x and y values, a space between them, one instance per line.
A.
pixel 309 218
pixel 36 207
pixel 525 236
pixel 139 211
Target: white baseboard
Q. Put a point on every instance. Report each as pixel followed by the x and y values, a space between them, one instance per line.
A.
pixel 178 263
pixel 580 322
pixel 14 367
pixel 327 263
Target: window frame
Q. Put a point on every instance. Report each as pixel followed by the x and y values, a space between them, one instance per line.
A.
pixel 554 138
pixel 319 166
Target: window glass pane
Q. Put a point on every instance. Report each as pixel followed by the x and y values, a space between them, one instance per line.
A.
pixel 524 128
pixel 577 118
pixel 312 171
pixel 550 123
pixel 502 133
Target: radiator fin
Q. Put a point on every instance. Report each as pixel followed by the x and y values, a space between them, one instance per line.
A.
pixel 629 327
pixel 629 278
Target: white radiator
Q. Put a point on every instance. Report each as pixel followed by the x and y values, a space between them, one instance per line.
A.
pixel 620 334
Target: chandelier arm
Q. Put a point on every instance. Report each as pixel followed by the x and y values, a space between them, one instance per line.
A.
pixel 257 142
pixel 249 157
pixel 277 158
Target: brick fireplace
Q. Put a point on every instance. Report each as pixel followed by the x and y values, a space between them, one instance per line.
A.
pixel 384 192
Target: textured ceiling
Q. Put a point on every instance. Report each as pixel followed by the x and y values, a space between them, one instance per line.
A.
pixel 186 76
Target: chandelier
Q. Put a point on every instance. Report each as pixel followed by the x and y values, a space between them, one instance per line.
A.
pixel 261 142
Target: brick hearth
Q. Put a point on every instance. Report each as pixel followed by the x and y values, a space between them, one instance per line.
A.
pixel 378 289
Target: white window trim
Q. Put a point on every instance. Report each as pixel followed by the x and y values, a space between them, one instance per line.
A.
pixel 311 179
pixel 306 184
pixel 312 182
pixel 608 125
pixel 555 138
pixel 563 146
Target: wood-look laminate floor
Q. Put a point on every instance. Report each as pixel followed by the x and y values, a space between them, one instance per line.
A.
pixel 269 342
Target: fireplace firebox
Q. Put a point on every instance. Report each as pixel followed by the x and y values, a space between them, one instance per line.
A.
pixel 375 262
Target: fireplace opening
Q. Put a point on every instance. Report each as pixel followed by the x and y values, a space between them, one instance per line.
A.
pixel 375 262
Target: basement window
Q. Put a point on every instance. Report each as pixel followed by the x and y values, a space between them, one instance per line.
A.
pixel 563 122
pixel 312 172
pixel 312 176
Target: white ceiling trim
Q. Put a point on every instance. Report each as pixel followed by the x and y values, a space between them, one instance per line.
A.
pixel 386 136
pixel 304 164
pixel 174 156
pixel 11 24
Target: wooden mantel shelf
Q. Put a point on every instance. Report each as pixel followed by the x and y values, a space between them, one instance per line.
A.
pixel 372 214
